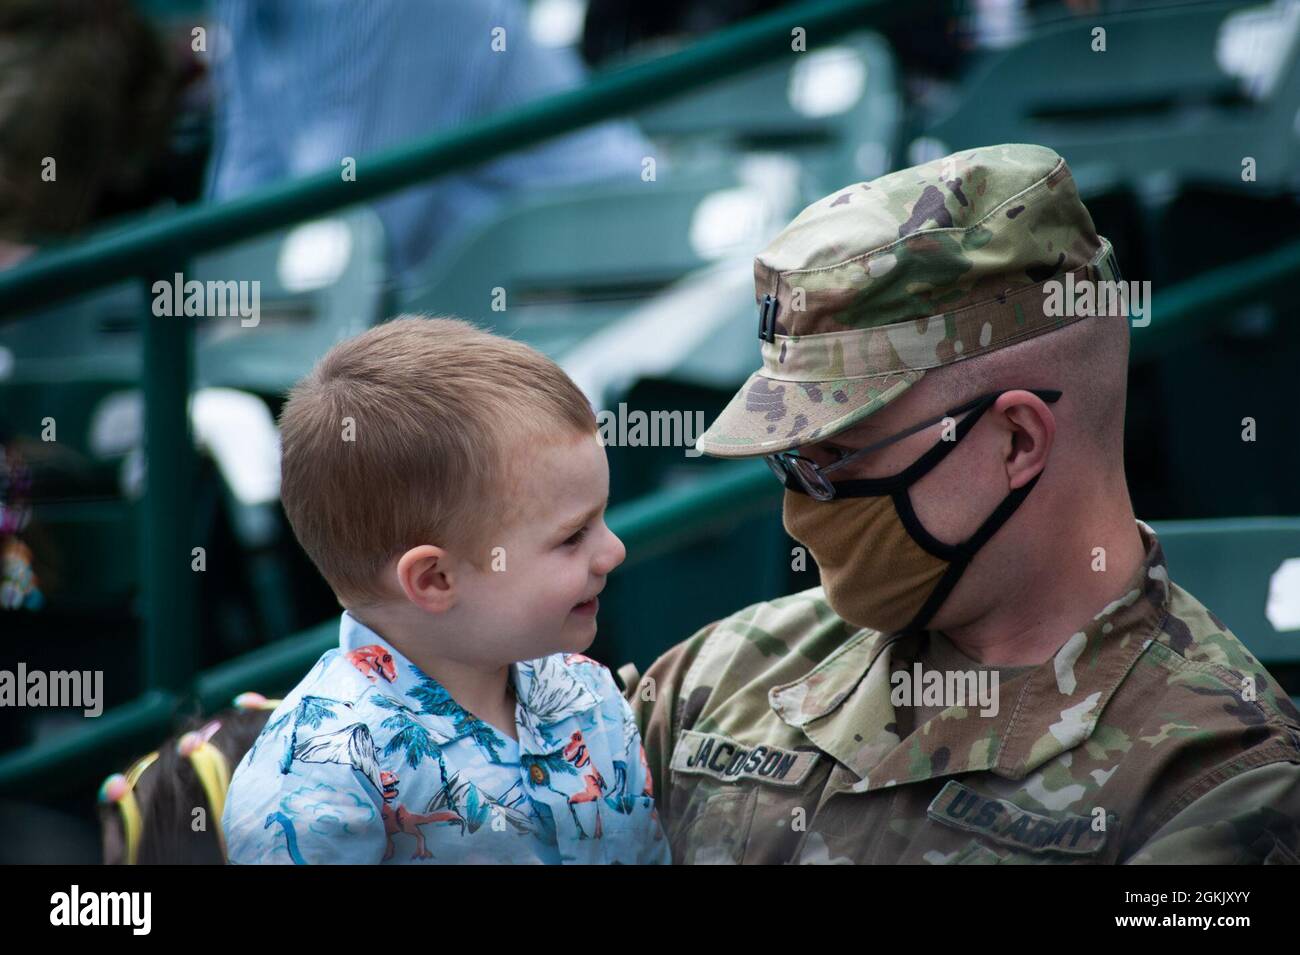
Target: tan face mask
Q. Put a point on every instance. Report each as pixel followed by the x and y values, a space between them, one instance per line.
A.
pixel 880 567
pixel 875 575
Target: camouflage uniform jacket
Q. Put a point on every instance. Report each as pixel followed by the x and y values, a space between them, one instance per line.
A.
pixel 772 738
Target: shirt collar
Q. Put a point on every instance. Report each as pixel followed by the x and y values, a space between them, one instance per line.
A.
pixel 548 693
pixel 547 690
pixel 843 704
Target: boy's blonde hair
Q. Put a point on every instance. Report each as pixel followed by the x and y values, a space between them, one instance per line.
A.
pixel 401 436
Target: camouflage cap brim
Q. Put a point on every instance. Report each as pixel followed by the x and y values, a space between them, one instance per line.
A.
pixel 769 415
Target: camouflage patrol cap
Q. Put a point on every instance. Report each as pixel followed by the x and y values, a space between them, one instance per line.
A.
pixel 880 281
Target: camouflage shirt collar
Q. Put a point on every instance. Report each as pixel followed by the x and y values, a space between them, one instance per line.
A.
pixel 843 704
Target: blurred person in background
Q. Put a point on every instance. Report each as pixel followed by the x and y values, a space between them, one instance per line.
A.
pixel 615 28
pixel 930 40
pixel 303 84
pixel 87 93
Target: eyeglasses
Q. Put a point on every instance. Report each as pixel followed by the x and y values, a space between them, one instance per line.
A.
pixel 803 474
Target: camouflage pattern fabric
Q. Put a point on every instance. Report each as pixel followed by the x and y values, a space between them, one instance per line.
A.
pixel 1152 736
pixel 871 286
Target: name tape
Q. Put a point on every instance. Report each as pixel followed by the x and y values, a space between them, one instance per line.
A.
pixel 710 754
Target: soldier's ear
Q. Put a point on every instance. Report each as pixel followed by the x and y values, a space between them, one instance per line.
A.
pixel 1031 427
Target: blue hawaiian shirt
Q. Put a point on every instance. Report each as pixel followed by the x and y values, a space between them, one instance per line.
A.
pixel 369 760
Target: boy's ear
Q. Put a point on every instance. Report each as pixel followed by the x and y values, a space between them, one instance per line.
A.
pixel 425 576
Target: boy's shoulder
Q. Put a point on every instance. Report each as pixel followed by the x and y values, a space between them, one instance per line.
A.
pixel 360 683
pixel 312 786
pixel 334 695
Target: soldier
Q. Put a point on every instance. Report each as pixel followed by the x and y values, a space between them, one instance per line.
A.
pixel 919 381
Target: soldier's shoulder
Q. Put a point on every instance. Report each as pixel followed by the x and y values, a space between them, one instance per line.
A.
pixel 779 639
pixel 1207 662
pixel 786 623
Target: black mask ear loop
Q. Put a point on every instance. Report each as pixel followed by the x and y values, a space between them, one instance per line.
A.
pixel 896 485
pixel 958 555
pixel 966 551
pixel 961 554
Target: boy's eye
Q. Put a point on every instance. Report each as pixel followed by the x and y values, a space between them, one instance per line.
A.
pixel 576 537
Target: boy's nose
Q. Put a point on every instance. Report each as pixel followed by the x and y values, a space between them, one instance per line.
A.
pixel 611 555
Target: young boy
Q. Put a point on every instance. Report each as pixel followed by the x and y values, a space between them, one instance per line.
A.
pixel 450 486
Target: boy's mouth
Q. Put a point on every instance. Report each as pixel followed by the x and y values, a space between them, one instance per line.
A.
pixel 587 607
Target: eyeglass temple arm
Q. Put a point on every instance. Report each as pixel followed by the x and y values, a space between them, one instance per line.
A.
pixel 1049 395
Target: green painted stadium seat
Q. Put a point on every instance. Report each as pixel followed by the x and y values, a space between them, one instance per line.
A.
pixel 320 282
pixel 571 261
pixel 1246 571
pixel 1159 100
pixel 837 109
pixel 61 362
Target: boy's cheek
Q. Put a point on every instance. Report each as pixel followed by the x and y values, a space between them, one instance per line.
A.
pixel 526 578
pixel 550 580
